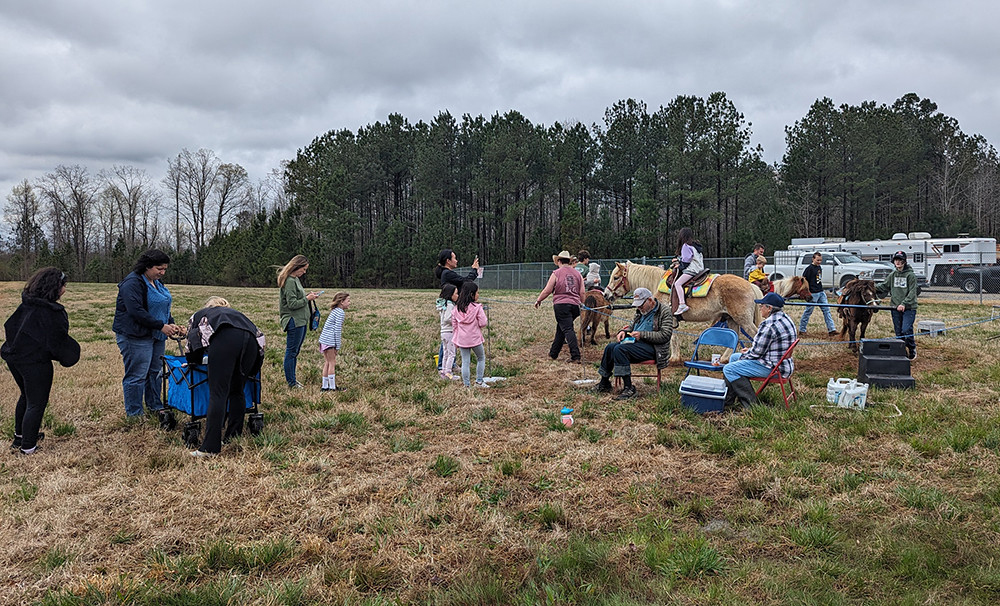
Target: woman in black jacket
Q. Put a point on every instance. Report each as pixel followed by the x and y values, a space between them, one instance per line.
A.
pixel 37 333
pixel 235 350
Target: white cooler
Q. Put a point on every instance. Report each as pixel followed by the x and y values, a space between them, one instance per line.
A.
pixel 703 394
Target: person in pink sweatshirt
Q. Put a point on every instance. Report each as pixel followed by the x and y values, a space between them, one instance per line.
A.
pixel 566 287
pixel 468 320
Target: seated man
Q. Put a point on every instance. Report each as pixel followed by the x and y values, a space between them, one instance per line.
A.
pixel 648 338
pixel 774 336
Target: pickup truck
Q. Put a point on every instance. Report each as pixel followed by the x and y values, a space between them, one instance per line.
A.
pixel 838 268
pixel 970 279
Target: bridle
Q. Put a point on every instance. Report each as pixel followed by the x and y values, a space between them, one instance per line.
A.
pixel 621 282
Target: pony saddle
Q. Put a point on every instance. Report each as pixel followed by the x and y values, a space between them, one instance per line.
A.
pixel 702 278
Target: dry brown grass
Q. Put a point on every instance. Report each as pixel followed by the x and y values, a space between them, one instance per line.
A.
pixel 366 517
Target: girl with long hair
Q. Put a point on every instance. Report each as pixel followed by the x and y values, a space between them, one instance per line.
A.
pixel 446 306
pixel 468 320
pixel 691 263
pixel 330 339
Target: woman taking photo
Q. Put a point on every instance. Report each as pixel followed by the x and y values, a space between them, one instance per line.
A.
pixel 37 333
pixel 445 269
pixel 294 309
pixel 142 324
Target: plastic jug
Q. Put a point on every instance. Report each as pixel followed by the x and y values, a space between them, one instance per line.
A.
pixel 835 389
pixel 855 396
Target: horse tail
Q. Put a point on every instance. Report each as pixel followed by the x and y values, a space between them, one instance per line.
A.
pixel 590 301
pixel 757 294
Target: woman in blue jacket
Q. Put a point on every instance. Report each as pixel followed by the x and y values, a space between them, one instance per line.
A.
pixel 142 324
pixel 37 333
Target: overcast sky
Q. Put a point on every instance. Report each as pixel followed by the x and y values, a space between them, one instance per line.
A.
pixel 132 82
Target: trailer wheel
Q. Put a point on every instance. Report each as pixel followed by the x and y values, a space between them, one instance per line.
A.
pixel 970 285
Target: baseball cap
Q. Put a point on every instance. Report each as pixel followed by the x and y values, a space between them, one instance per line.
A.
pixel 640 296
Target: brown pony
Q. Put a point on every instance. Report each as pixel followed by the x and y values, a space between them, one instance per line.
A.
pixel 596 310
pixel 856 292
pixel 730 298
pixel 793 286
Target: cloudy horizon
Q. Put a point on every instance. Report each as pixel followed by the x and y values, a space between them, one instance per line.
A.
pixel 135 83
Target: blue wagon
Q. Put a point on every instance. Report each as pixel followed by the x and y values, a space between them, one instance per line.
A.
pixel 185 389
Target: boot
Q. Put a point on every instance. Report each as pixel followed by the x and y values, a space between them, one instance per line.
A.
pixel 741 389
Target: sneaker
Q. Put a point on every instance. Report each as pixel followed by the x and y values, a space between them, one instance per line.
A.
pixel 681 309
pixel 627 393
pixel 31 451
pixel 16 443
pixel 912 354
pixel 482 384
pixel 328 389
pixel 297 385
pixel 831 333
pixel 602 387
pixel 201 454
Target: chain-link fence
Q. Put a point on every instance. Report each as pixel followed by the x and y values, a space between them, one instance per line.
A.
pixel 953 281
pixel 532 276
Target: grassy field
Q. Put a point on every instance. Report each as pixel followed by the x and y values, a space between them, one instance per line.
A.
pixel 408 489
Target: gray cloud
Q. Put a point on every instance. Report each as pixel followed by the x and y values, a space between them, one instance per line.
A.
pixel 120 82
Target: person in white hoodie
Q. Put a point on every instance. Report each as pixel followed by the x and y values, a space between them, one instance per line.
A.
pixel 445 305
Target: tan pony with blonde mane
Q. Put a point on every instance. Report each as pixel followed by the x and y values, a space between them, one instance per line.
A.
pixel 730 298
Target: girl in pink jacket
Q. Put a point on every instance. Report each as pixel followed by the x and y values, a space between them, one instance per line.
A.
pixel 468 320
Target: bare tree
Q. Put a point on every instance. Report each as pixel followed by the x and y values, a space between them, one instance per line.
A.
pixel 232 194
pixel 71 192
pixel 22 214
pixel 136 203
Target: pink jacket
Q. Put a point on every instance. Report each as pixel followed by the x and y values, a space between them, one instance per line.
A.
pixel 468 325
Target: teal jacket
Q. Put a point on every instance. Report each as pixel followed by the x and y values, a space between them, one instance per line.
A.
pixel 901 287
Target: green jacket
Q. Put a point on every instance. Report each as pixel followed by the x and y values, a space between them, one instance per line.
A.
pixel 293 304
pixel 901 287
pixel 659 337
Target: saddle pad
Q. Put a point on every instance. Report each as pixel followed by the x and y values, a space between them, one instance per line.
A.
pixel 699 291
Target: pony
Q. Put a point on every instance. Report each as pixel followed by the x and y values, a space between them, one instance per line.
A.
pixel 596 310
pixel 856 292
pixel 793 286
pixel 730 298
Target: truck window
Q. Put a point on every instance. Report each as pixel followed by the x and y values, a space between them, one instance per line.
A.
pixel 827 259
pixel 806 259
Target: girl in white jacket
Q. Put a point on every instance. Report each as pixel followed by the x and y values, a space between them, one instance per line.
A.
pixel 445 305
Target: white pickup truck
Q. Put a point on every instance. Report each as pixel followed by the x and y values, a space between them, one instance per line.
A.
pixel 838 268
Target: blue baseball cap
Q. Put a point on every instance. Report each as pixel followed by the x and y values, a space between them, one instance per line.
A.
pixel 773 299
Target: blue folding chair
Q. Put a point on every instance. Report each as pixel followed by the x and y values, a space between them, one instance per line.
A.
pixel 713 336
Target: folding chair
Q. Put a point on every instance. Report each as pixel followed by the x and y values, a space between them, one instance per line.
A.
pixel 775 377
pixel 711 336
pixel 646 363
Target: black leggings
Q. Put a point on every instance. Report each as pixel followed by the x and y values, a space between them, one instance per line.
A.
pixel 232 354
pixel 35 382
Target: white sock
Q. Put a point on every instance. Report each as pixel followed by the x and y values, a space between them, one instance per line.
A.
pixel 333 381
pixel 326 382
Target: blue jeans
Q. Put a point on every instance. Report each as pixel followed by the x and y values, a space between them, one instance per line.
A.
pixel 294 336
pixel 467 362
pixel 902 322
pixel 737 368
pixel 817 297
pixel 618 358
pixel 143 360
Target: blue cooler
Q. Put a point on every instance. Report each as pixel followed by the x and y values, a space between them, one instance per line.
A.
pixel 703 394
pixel 187 387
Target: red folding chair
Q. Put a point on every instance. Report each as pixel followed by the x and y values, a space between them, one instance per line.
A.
pixel 775 377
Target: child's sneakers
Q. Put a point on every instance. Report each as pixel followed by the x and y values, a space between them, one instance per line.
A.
pixel 681 309
pixel 482 384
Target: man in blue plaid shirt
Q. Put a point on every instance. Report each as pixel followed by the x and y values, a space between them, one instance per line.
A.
pixel 774 336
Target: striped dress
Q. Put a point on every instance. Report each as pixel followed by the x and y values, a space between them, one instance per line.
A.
pixel 330 336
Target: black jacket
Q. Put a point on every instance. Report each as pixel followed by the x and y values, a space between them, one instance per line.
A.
pixel 38 331
pixel 450 276
pixel 207 321
pixel 132 317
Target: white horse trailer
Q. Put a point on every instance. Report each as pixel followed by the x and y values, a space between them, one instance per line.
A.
pixel 931 258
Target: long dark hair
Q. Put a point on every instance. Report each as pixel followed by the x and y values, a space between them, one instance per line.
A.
pixel 447 291
pixel 45 284
pixel 150 258
pixel 443 257
pixel 685 236
pixel 466 295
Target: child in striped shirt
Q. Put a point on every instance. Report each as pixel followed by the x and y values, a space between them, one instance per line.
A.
pixel 329 339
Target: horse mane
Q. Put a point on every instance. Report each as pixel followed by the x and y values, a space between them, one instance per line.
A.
pixel 644 276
